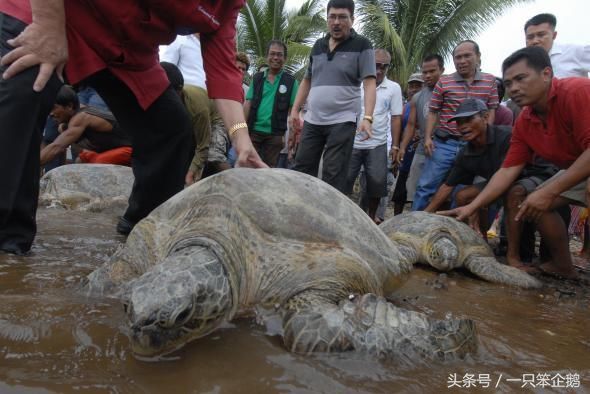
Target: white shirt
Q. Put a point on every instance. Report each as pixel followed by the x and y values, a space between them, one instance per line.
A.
pixel 388 104
pixel 185 53
pixel 570 60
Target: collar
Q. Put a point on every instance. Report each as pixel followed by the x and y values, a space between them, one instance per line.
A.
pixel 528 112
pixel 457 77
pixel 352 35
pixel 471 150
pixel 555 50
pixel 384 84
pixel 278 76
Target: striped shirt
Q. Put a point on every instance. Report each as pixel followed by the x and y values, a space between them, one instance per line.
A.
pixel 451 90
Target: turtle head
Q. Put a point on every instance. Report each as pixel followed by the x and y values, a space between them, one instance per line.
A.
pixel 442 251
pixel 183 298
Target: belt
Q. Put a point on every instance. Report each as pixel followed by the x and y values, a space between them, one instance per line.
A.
pixel 446 136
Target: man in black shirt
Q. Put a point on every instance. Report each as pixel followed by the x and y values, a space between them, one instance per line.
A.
pixel 482 157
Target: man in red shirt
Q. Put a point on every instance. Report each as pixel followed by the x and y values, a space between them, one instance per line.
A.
pixel 555 127
pixel 114 48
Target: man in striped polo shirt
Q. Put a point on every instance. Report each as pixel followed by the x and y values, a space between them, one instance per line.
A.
pixel 339 62
pixel 443 142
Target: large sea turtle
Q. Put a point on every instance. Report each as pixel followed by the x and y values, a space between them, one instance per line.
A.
pixel 278 239
pixel 91 187
pixel 445 244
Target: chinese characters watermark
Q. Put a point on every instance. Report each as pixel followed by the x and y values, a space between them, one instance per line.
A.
pixel 530 380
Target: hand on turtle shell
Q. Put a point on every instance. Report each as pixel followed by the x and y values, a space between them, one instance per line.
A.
pixel 461 213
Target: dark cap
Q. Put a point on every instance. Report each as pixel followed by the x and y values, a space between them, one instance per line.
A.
pixel 469 107
pixel 416 77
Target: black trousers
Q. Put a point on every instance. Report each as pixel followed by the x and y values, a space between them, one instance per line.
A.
pixel 162 140
pixel 23 113
pixel 335 143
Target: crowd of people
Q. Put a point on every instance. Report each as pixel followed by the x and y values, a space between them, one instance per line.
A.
pixel 466 144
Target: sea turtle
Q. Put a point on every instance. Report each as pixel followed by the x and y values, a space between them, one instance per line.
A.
pixel 274 238
pixel 91 187
pixel 446 244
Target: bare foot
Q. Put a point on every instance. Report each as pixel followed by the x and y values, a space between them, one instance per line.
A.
pixel 516 263
pixel 559 272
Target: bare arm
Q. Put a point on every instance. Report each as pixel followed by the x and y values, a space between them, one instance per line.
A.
pixel 72 134
pixel 408 133
pixel 370 93
pixel 441 195
pixel 428 133
pixel 232 113
pixel 42 43
pixel 497 186
pixel 300 99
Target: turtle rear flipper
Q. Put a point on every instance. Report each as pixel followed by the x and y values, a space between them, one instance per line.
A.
pixel 489 269
pixel 371 324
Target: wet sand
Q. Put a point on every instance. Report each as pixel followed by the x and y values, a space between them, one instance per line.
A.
pixel 55 339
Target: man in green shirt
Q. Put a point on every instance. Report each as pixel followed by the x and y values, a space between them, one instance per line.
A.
pixel 268 104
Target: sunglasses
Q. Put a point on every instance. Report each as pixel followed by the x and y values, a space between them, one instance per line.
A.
pixel 382 66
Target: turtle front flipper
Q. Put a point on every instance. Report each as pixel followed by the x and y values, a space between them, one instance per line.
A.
pixel 489 269
pixel 371 324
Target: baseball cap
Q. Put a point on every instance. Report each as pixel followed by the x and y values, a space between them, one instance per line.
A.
pixel 469 107
pixel 416 77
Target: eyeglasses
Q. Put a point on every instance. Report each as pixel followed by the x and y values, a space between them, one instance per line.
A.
pixel 340 17
pixel 382 66
pixel 277 54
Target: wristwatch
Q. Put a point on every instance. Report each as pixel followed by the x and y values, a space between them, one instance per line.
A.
pixel 369 118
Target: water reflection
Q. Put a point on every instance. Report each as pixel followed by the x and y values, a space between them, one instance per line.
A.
pixel 54 339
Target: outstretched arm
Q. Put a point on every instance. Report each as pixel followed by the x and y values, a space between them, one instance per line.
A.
pixel 42 43
pixel 497 186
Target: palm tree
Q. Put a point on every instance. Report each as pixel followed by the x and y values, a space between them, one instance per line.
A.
pixel 412 29
pixel 263 20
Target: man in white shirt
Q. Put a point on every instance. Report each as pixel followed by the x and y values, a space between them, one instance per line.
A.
pixel 185 53
pixel 371 153
pixel 567 60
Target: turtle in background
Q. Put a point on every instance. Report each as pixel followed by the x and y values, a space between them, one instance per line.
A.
pixel 446 244
pixel 91 187
pixel 280 240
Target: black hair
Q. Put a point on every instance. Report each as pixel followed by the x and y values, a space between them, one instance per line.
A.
pixel 68 96
pixel 536 58
pixel 475 46
pixel 541 18
pixel 437 57
pixel 501 88
pixel 279 43
pixel 348 4
pixel 174 75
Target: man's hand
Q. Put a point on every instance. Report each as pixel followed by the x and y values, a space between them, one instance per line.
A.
pixel 428 146
pixel 535 205
pixel 191 177
pixel 247 155
pixel 461 213
pixel 399 157
pixel 365 128
pixel 37 45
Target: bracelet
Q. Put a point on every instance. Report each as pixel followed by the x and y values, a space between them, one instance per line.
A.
pixel 395 147
pixel 232 130
pixel 368 118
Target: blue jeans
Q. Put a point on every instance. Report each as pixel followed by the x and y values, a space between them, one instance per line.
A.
pixel 435 171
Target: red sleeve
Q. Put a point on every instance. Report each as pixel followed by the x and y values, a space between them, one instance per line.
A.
pixel 519 152
pixel 224 79
pixel 578 104
pixel 436 100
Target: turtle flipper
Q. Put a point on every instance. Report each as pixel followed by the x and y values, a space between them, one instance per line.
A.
pixel 371 324
pixel 489 269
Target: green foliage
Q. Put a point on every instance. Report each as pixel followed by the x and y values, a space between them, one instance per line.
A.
pixel 263 20
pixel 412 29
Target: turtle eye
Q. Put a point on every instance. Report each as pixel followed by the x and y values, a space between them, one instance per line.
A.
pixel 183 316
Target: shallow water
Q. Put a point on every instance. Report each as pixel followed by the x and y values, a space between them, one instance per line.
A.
pixel 54 339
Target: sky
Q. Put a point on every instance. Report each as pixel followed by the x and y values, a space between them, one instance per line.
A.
pixel 506 34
